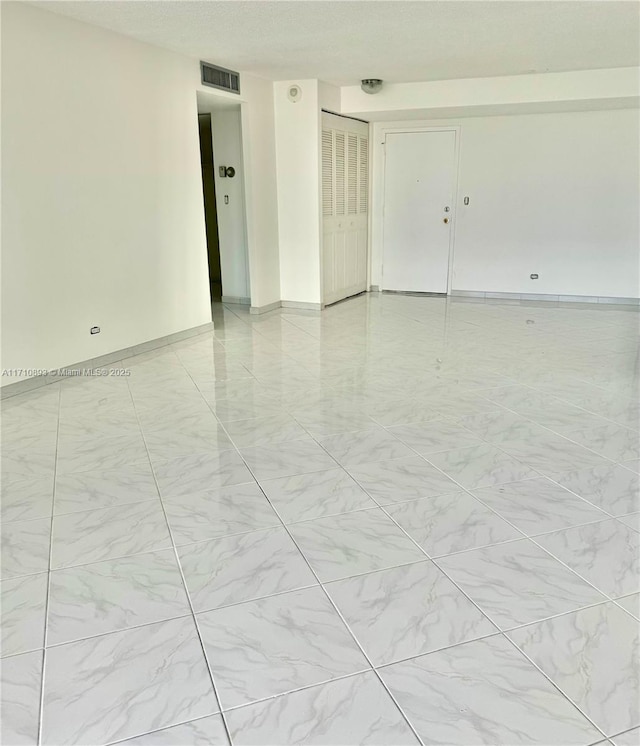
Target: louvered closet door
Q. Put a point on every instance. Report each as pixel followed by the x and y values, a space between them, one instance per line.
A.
pixel 345 195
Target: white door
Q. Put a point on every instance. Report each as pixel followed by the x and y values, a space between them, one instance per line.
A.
pixel 345 193
pixel 418 210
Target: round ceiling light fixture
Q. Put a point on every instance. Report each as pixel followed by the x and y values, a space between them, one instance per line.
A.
pixel 371 85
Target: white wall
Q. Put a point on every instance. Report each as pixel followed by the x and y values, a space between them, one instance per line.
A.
pixel 590 88
pixel 297 127
pixel 102 196
pixel 259 157
pixel 553 194
pixel 329 96
pixel 227 151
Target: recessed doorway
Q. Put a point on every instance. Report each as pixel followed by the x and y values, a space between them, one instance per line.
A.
pixel 220 128
pixel 210 209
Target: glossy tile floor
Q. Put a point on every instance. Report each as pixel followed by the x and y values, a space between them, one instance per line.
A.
pixel 405 520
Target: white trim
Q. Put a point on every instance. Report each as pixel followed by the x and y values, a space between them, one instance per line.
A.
pixel 286 304
pixel 36 382
pixel 344 123
pixel 545 297
pixel 257 310
pixel 370 203
pixel 455 204
pixel 303 305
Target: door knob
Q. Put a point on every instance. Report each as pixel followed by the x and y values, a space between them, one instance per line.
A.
pixel 445 220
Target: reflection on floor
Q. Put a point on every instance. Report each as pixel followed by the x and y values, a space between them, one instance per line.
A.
pixel 406 519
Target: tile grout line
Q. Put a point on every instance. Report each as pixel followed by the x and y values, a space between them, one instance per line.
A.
pixel 161 730
pixel 303 688
pixel 345 468
pixel 532 538
pixel 315 585
pixel 466 490
pixel 560 399
pixel 547 476
pixel 472 490
pixel 526 536
pixel 96 635
pixel 382 507
pixel 553 432
pixel 504 632
pixel 331 602
pixel 243 706
pixel 499 629
pixel 425 559
pixel 626 732
pixel 186 589
pixel 48 593
pixel 552 682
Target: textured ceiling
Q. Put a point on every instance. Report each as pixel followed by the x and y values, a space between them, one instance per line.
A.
pixel 344 41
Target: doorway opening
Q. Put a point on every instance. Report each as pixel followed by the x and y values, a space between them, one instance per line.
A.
pixel 221 157
pixel 210 208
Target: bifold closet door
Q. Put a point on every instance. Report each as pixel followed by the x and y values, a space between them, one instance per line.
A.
pixel 345 195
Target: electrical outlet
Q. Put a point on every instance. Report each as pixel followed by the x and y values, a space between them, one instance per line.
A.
pixel 94 330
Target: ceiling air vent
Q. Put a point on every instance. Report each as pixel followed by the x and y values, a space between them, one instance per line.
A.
pixel 220 77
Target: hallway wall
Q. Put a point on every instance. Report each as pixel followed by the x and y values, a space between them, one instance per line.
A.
pixel 102 198
pixel 227 151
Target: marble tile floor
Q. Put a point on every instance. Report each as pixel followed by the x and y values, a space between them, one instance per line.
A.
pixel 405 520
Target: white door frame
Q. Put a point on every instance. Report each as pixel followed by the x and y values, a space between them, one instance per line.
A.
pixel 379 219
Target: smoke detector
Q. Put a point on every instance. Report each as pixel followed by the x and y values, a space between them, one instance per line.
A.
pixel 371 85
pixel 294 94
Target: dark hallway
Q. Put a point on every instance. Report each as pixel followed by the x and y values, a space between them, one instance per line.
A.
pixel 210 211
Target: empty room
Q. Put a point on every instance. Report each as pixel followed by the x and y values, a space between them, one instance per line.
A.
pixel 320 380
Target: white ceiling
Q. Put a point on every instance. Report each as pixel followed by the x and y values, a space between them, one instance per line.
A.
pixel 343 41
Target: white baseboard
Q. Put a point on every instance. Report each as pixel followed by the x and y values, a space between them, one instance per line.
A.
pixel 286 304
pixel 35 382
pixel 545 297
pixel 265 309
pixel 302 305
